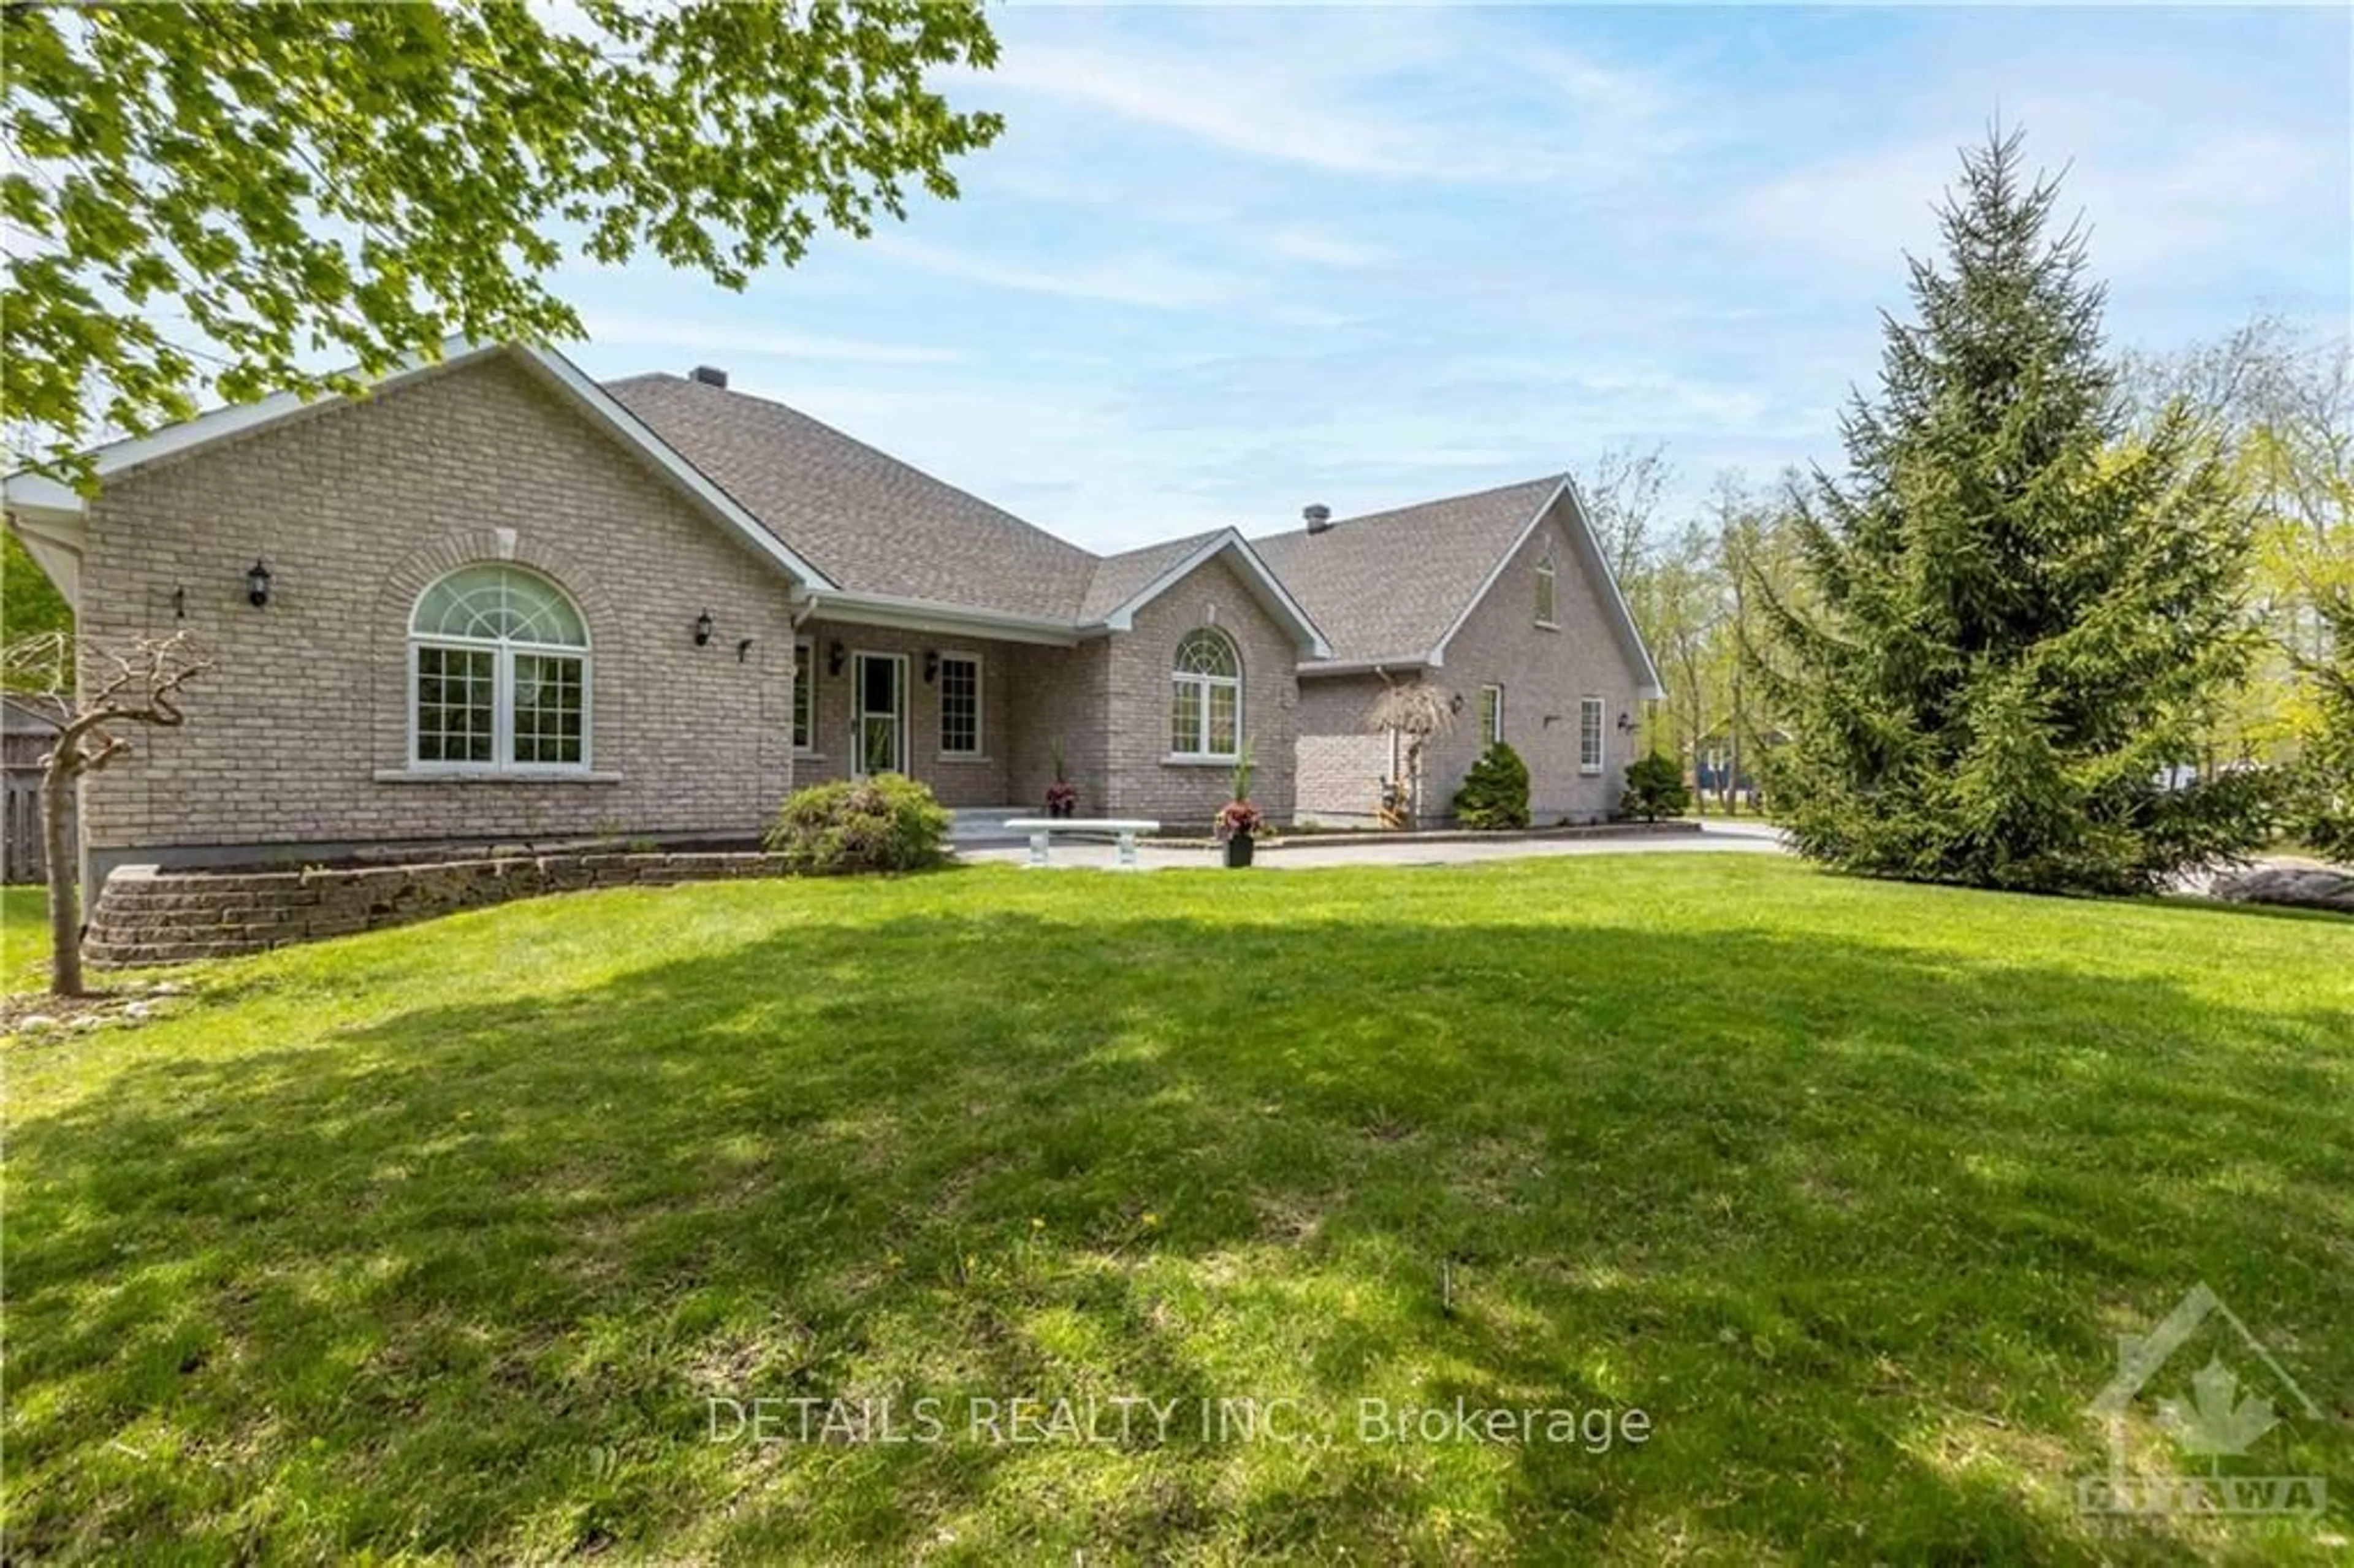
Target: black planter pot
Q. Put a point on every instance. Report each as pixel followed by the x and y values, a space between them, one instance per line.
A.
pixel 1238 850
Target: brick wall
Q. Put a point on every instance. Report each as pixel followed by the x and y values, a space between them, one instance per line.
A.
pixel 298 737
pixel 1061 693
pixel 1032 695
pixel 1339 776
pixel 957 780
pixel 299 733
pixel 1545 673
pixel 1144 781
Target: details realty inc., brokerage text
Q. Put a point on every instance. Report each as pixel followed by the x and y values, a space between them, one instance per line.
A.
pixel 1137 1420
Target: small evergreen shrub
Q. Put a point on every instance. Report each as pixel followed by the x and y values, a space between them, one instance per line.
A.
pixel 1655 788
pixel 1495 793
pixel 2325 821
pixel 886 822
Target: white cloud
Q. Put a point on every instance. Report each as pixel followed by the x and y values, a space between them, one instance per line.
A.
pixel 1859 210
pixel 620 330
pixel 1241 109
pixel 2152 198
pixel 1145 279
pixel 1304 242
pixel 1255 258
pixel 1396 95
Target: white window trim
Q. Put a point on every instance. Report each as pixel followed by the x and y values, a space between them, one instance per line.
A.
pixel 979 749
pixel 1601 715
pixel 1548 571
pixel 804 748
pixel 530 773
pixel 1494 734
pixel 503 757
pixel 1202 685
pixel 502 763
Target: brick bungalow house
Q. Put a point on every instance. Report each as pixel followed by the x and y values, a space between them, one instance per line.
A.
pixel 504 601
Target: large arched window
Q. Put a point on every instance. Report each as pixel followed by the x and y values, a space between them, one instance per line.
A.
pixel 499 673
pixel 1205 710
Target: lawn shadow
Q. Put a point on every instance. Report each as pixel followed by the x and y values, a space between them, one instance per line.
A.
pixel 1855 1226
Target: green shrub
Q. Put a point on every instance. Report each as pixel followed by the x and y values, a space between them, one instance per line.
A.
pixel 1655 788
pixel 886 822
pixel 1495 793
pixel 2320 795
pixel 2325 821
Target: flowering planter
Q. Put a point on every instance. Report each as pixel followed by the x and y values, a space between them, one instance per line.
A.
pixel 1238 850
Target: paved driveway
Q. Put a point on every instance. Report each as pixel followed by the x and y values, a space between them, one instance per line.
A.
pixel 1714 838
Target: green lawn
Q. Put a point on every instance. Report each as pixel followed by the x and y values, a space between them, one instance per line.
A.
pixel 24 939
pixel 440 1241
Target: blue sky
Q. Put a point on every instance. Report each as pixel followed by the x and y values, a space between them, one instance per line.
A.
pixel 1228 262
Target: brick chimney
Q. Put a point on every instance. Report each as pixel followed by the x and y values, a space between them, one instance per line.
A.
pixel 1320 517
pixel 710 376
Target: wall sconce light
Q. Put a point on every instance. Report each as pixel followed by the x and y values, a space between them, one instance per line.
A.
pixel 257 585
pixel 1455 703
pixel 702 629
pixel 179 604
pixel 835 654
pixel 931 664
pixel 743 650
pixel 1626 722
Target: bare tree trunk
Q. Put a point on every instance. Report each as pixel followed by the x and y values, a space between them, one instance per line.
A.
pixel 1740 713
pixel 138 685
pixel 65 859
pixel 1693 708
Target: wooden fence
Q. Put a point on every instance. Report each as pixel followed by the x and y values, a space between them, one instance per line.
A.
pixel 23 855
pixel 28 728
pixel 20 828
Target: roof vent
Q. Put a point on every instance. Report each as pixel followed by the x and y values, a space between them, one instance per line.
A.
pixel 1320 517
pixel 710 376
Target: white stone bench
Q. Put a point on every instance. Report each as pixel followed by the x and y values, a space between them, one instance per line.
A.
pixel 1043 829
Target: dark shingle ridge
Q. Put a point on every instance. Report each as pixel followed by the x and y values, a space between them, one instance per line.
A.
pixel 1381 584
pixel 873 523
pixel 1545 482
pixel 1391 585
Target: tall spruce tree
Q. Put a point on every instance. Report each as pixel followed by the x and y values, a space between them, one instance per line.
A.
pixel 2018 614
pixel 2324 814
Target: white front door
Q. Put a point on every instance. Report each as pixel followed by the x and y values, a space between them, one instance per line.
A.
pixel 879 714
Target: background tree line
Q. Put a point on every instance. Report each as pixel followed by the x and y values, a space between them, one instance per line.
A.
pixel 2277 399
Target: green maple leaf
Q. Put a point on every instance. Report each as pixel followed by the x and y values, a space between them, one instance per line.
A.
pixel 2215 1419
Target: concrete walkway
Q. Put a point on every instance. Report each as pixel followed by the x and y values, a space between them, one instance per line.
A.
pixel 1312 854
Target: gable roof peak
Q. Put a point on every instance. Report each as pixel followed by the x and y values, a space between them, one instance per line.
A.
pixel 1540 488
pixel 1393 585
pixel 876 523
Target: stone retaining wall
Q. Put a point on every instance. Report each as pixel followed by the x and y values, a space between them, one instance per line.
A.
pixel 2302 885
pixel 150 916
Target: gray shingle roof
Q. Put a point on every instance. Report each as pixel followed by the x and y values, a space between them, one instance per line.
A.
pixel 1119 579
pixel 868 521
pixel 1389 585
